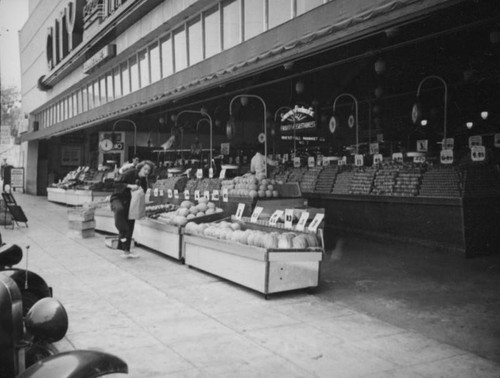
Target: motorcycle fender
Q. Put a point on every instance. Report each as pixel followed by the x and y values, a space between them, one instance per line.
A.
pixel 77 364
pixel 36 284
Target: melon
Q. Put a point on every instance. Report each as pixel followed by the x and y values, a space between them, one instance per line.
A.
pixel 202 200
pixel 193 210
pixel 263 187
pixel 253 194
pixel 211 205
pixel 190 216
pixel 187 204
pixel 270 241
pixel 183 212
pixel 202 207
pixel 235 226
pixel 219 210
pixel 269 194
pixel 210 211
pixel 285 241
pixel 270 187
pixel 180 220
pixel 299 242
pixel 275 193
pixel 191 228
pixel 200 214
pixel 312 240
pixel 262 194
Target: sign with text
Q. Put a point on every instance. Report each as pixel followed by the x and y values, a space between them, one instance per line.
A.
pixel 225 148
pixel 4 135
pixel 239 211
pixel 377 159
pixel 17 178
pixel 289 218
pixel 310 162
pixel 155 192
pixel 475 140
pixel 449 143
pixel 206 194
pixel 313 227
pixel 170 194
pixel 302 221
pixel 478 153
pixel 398 157
pixel 446 156
pixel 196 195
pixel 374 148
pixel 199 173
pixel 186 194
pixel 215 195
pixel 222 174
pixel 256 214
pixel 359 160
pixel 422 145
pixel 176 194
pixel 225 195
pixel 419 159
pixel 275 217
pixel 296 162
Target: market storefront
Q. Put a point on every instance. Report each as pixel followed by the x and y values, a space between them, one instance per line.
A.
pixel 327 88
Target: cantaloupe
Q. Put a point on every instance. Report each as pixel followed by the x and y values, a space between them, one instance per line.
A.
pixel 190 216
pixel 186 204
pixel 235 226
pixel 299 242
pixel 202 200
pixel 200 214
pixel 275 193
pixel 180 220
pixel 183 211
pixel 210 211
pixel 202 207
pixel 253 194
pixel 262 194
pixel 285 241
pixel 269 194
pixel 312 240
pixel 211 205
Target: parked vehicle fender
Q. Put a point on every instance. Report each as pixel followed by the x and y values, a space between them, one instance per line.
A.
pixel 76 364
pixel 36 289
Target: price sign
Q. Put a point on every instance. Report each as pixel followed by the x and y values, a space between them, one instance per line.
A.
pixel 256 213
pixel 170 194
pixel 239 211
pixel 422 145
pixel 475 140
pixel 211 173
pixel 274 218
pixel 310 162
pixel 342 161
pixel 359 160
pixel 224 148
pixel 186 194
pixel 419 159
pixel 285 157
pixel 497 140
pixel 377 159
pixel 222 174
pixel 196 195
pixel 289 218
pixel 225 195
pixel 176 194
pixel 155 192
pixel 302 221
pixel 296 162
pixel 326 162
pixel 374 148
pixel 449 143
pixel 215 195
pixel 188 172
pixel 206 194
pixel 313 227
pixel 199 173
pixel 478 153
pixel 398 157
pixel 446 156
pixel 161 193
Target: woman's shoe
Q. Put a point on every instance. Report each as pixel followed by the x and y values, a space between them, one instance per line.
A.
pixel 129 255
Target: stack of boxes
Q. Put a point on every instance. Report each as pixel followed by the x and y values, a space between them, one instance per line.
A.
pixel 81 222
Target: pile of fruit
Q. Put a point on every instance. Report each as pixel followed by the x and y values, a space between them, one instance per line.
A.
pixel 481 181
pixel 187 211
pixel 296 174
pixel 385 180
pixel 154 211
pixel 326 178
pixel 235 233
pixel 250 186
pixel 361 182
pixel 309 178
pixel 342 182
pixel 171 183
pixel 441 182
pixel 206 184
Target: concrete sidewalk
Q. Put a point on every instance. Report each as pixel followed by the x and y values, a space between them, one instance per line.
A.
pixel 167 320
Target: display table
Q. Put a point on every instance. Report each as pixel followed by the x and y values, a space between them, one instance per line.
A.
pixel 73 197
pixel 266 271
pixel 163 238
pixel 104 220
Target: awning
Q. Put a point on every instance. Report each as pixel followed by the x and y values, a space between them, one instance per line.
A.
pixel 299 37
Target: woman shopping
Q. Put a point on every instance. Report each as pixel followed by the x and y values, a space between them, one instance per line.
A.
pixel 134 179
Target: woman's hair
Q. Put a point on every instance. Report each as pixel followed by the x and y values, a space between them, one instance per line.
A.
pixel 143 163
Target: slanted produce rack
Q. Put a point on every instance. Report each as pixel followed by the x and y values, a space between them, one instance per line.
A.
pixel 267 271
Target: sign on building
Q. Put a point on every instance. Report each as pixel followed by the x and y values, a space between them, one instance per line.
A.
pixel 4 134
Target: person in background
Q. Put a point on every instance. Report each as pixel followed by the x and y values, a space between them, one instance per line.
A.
pixel 196 147
pixel 135 178
pixel 259 161
pixel 125 167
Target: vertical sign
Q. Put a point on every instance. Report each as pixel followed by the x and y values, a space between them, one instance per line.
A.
pixel 224 148
pixel 239 211
pixel 478 153
pixel 398 157
pixel 497 140
pixel 274 218
pixel 359 160
pixel 446 156
pixel 475 140
pixel 225 195
pixel 449 143
pixel 313 227
pixel 422 145
pixel 289 218
pixel 310 162
pixel 256 213
pixel 4 134
pixel 374 148
pixel 186 194
pixel 377 159
pixel 296 162
pixel 302 221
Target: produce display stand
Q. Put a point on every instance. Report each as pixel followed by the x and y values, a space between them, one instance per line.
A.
pixel 73 197
pixel 165 238
pixel 104 220
pixel 264 270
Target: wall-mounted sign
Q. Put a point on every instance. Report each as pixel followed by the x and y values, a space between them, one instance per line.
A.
pixel 359 160
pixel 377 158
pixel 298 118
pixel 397 156
pixel 104 54
pixel 449 143
pixel 17 178
pixel 65 33
pixel 374 148
pixel 422 145
pixel 5 134
pixel 225 148
pixel 475 140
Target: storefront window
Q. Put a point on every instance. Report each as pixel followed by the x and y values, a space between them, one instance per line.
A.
pixel 134 73
pixel 279 12
pixel 254 18
pixel 125 79
pixel 70 107
pixel 180 49
pixel 212 32
pixel 167 66
pixel 117 82
pixel 102 86
pixel 90 91
pixel 231 24
pixel 58 108
pixel 97 94
pixel 304 6
pixel 154 62
pixel 85 103
pixel 76 108
pixel 109 86
pixel 144 68
pixel 195 42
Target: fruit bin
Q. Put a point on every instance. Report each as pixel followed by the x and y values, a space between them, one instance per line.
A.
pixel 265 270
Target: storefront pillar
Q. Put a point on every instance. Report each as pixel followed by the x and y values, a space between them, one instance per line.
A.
pixel 31 167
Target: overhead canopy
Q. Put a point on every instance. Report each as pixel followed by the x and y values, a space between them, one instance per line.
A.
pixel 332 24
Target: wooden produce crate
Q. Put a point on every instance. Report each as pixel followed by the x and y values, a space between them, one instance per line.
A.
pixel 263 270
pixel 104 220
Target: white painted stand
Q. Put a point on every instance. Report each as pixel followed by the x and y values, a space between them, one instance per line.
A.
pixel 160 237
pixel 266 271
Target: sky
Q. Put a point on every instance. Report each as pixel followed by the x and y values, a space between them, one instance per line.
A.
pixel 13 15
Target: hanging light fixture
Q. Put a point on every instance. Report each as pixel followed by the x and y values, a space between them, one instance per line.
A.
pixel 299 86
pixel 244 100
pixel 379 91
pixel 423 122
pixel 469 124
pixel 484 115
